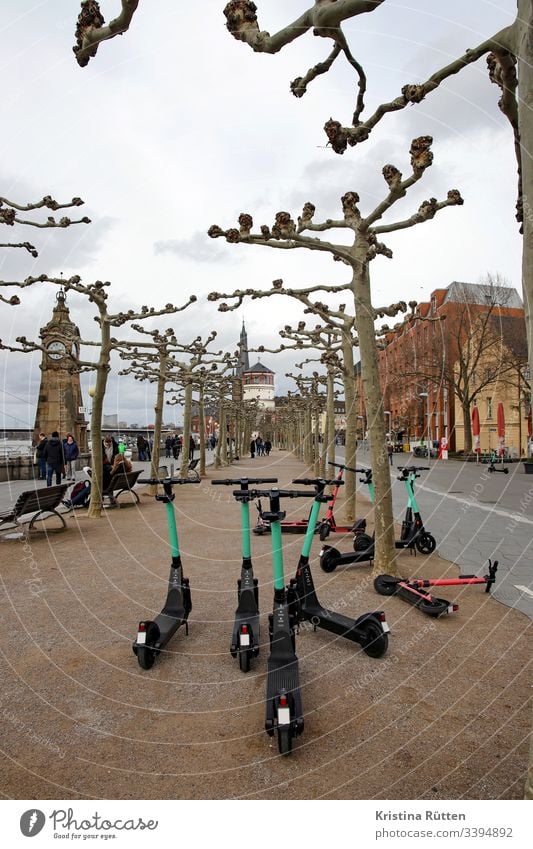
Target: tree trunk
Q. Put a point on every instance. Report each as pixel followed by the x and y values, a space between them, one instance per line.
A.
pixel 201 428
pixel 350 448
pixel 160 400
pixel 467 427
pixel 102 370
pixel 385 552
pixel 186 430
pixel 524 51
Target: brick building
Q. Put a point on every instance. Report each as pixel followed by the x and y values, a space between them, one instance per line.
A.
pixel 420 357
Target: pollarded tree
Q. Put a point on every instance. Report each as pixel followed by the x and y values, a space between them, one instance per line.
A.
pixel 509 58
pixel 286 234
pixel 10 216
pixel 96 294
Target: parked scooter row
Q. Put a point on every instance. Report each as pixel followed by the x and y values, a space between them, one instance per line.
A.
pixel 413 535
pixel 296 602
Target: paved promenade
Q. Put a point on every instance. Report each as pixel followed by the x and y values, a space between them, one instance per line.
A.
pixel 444 714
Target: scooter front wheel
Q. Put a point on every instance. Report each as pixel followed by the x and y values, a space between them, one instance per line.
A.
pixel 146 657
pixel 385 584
pixel 426 543
pixel 329 559
pixel 324 531
pixel 284 740
pixel 376 640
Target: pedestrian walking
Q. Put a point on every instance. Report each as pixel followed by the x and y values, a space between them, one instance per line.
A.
pixel 55 459
pixel 252 449
pixel 168 446
pixel 389 452
pixel 192 447
pixel 267 447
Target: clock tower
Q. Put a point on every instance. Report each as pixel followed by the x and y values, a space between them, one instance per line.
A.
pixel 60 401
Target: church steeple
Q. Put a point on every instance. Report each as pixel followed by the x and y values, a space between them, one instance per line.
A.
pixel 244 362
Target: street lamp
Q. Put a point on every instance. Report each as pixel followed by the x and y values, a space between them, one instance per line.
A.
pixel 426 395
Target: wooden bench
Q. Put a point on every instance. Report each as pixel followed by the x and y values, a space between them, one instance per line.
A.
pixel 42 502
pixel 121 482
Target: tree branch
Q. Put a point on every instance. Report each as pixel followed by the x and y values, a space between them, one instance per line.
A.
pixel 90 29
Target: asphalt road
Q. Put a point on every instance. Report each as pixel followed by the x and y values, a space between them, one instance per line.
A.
pixel 474 516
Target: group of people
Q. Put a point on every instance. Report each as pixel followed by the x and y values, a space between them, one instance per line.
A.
pixel 174 444
pixel 260 447
pixel 113 463
pixel 57 457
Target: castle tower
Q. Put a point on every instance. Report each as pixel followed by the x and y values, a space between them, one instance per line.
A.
pixel 258 384
pixel 60 399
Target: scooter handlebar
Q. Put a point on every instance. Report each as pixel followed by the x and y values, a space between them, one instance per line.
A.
pixel 236 481
pixel 316 481
pixel 154 481
pixel 280 493
pixel 414 468
pixel 342 466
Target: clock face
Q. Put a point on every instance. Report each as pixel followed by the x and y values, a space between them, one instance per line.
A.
pixel 56 350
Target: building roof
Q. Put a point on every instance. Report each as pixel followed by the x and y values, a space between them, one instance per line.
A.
pixel 481 293
pixel 258 368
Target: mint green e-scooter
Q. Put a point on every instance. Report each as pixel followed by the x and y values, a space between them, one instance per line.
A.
pixel 153 635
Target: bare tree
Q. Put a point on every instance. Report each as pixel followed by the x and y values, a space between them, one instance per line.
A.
pixel 285 234
pixel 91 29
pixel 97 295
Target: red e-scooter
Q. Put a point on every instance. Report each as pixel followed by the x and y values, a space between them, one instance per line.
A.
pixel 299 526
pixel 414 591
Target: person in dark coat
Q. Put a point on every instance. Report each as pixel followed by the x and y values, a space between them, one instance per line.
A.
pixel 252 449
pixel 267 446
pixel 39 456
pixel 192 447
pixel 168 446
pixel 55 459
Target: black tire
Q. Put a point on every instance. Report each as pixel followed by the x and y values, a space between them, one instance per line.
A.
pixel 284 740
pixel 362 543
pixel 386 584
pixel 376 640
pixel 426 543
pixel 324 531
pixel 436 607
pixel 329 560
pixel 244 660
pixel 259 530
pixel 145 656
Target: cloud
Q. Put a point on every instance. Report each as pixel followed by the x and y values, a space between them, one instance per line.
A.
pixel 199 247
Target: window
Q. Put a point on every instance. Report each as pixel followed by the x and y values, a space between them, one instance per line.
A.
pixel 489 408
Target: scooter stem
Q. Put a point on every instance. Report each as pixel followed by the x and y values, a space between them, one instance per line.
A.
pixel 277 555
pixel 245 529
pixel 172 529
pixel 310 532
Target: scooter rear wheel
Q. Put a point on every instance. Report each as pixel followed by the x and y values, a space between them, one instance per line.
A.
pixel 362 543
pixel 426 543
pixel 284 740
pixel 385 584
pixel 329 559
pixel 244 660
pixel 436 607
pixel 146 657
pixel 376 640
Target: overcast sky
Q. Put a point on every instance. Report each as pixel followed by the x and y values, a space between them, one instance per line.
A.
pixel 176 126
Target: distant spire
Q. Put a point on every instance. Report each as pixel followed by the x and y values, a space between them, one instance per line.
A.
pixel 244 362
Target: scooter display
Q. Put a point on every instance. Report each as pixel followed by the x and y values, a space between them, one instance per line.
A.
pixel 369 630
pixel 154 635
pixel 246 630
